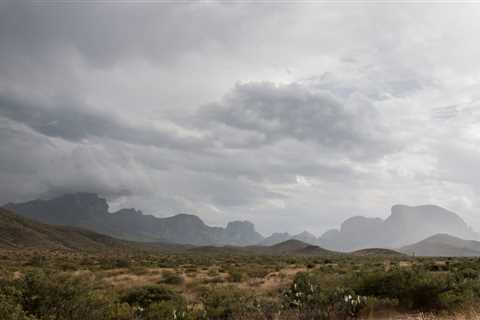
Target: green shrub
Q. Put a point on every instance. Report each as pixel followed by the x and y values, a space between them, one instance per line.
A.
pixel 169 277
pixel 414 289
pixel 236 276
pixel 313 298
pixel 145 296
pixel 58 297
pixel 11 310
pixel 165 310
pixel 223 303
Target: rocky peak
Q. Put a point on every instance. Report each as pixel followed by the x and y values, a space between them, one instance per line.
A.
pixel 242 232
pixel 240 226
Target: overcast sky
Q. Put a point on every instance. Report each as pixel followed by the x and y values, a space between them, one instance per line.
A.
pixel 291 116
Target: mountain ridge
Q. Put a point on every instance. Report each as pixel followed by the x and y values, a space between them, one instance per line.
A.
pixel 89 211
pixel 404 226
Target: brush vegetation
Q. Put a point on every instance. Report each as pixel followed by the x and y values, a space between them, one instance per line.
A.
pixel 58 284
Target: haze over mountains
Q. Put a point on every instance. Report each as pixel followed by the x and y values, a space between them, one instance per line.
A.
pixel 405 226
pixel 443 245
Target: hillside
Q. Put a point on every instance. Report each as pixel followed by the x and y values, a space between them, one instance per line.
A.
pixel 376 252
pixel 89 211
pixel 295 247
pixel 443 245
pixel 18 233
pixel 290 247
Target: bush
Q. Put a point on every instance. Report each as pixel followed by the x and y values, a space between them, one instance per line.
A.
pixel 11 310
pixel 169 277
pixel 58 297
pixel 165 310
pixel 223 303
pixel 236 276
pixel 314 300
pixel 414 289
pixel 145 296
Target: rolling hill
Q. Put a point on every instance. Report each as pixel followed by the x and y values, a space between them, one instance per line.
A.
pixel 443 245
pixel 290 247
pixel 376 252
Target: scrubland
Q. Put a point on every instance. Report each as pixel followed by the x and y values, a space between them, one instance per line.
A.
pixel 59 285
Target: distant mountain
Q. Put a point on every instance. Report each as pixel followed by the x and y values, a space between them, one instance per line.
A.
pixel 404 226
pixel 355 233
pixel 276 238
pixel 443 245
pixel 241 233
pixel 17 232
pixel 306 237
pixel 89 211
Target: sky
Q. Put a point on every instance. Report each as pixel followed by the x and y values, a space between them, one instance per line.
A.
pixel 294 116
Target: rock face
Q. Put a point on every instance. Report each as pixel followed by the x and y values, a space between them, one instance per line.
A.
pixel 89 211
pixel 405 225
pixel 241 233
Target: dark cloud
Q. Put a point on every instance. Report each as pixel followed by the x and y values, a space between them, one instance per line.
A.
pixel 104 34
pixel 139 103
pixel 264 113
pixel 67 119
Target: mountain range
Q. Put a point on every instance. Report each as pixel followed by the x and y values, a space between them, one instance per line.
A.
pixel 405 226
pixel 89 211
pixel 20 233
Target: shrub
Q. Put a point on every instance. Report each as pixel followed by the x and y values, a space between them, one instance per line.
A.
pixel 11 310
pixel 169 277
pixel 236 276
pixel 58 297
pixel 145 296
pixel 223 303
pixel 314 300
pixel 165 310
pixel 414 289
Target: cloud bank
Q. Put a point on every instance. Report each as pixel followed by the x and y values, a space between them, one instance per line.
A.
pixel 292 116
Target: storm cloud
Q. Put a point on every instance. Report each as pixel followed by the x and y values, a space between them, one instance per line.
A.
pixel 293 116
